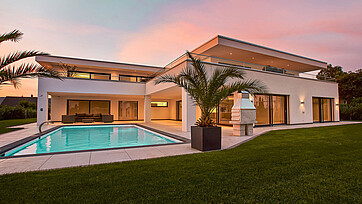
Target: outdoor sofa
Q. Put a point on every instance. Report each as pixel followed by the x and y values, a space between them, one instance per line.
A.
pixel 84 117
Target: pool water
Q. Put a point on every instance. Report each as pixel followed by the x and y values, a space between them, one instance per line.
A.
pixel 73 138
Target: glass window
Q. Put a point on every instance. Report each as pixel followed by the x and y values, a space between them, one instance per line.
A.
pixel 326 103
pixel 159 104
pixel 279 109
pixel 128 78
pixel 99 107
pixel 86 106
pixel 100 76
pixel 83 75
pixel 128 110
pixel 225 110
pixel 316 110
pixel 322 109
pixel 262 106
pixel 75 106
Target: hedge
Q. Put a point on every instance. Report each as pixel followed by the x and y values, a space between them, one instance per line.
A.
pixel 352 111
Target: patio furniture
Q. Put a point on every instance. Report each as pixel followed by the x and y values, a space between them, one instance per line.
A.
pixel 88 120
pixel 68 118
pixel 96 117
pixel 107 118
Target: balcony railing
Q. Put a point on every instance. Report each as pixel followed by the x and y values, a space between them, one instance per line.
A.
pixel 242 65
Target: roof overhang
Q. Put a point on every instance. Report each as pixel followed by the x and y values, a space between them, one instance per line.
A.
pixel 233 49
pixel 52 61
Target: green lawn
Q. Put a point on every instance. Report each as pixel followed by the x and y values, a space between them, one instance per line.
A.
pixel 8 123
pixel 320 165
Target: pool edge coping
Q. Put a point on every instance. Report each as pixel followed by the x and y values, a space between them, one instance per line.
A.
pixel 20 142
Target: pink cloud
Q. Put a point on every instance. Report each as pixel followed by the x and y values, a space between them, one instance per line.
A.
pixel 315 30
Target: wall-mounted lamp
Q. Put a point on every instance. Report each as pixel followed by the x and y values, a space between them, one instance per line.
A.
pixel 337 104
pixel 302 103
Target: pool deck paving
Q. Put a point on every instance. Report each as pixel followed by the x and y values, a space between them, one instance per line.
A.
pixel 64 160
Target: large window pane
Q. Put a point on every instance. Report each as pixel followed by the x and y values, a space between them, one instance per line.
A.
pixel 75 106
pixel 101 76
pixel 128 78
pixel 83 75
pixel 326 105
pixel 128 110
pixel 225 110
pixel 179 110
pixel 278 109
pixel 261 103
pixel 316 110
pixel 99 107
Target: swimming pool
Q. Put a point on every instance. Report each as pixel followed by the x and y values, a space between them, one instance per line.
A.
pixel 84 137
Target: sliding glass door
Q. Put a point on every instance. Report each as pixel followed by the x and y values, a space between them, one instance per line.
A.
pixel 262 105
pixel 225 110
pixel 179 110
pixel 222 113
pixel 279 109
pixel 88 107
pixel 128 110
pixel 322 109
pixel 270 109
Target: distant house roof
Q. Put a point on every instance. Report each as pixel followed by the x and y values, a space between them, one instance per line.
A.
pixel 14 100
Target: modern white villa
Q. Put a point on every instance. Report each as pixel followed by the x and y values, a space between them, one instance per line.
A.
pixel 127 91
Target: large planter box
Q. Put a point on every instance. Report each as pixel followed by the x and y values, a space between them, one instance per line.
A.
pixel 206 138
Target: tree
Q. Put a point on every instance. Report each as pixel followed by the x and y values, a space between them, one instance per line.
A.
pixel 11 70
pixel 330 72
pixel 207 91
pixel 349 83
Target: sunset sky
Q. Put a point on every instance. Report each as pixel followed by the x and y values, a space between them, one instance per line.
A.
pixel 155 32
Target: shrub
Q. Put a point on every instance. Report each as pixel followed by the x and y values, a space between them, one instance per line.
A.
pixel 23 110
pixel 352 111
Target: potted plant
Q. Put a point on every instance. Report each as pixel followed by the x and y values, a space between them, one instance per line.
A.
pixel 207 90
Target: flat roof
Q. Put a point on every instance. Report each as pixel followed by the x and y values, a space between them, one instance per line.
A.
pixel 52 58
pixel 221 46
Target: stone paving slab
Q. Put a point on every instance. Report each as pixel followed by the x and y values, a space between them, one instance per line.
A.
pixel 66 160
pixel 109 156
pixel 144 153
pixel 22 164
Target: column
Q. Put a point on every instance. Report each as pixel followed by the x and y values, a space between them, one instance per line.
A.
pixel 188 112
pixel 147 109
pixel 42 106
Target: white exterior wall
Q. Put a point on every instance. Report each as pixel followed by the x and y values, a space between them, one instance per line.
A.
pixel 298 89
pixel 79 88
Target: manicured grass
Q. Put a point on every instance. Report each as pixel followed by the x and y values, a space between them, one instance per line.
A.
pixel 320 165
pixel 8 123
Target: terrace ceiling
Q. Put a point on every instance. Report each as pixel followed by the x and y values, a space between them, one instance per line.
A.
pixel 228 48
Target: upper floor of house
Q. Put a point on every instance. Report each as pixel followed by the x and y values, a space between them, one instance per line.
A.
pixel 220 51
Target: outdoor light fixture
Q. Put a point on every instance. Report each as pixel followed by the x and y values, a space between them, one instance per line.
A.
pixel 302 103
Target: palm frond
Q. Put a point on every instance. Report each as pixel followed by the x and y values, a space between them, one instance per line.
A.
pixel 14 36
pixel 12 74
pixel 19 55
pixel 208 92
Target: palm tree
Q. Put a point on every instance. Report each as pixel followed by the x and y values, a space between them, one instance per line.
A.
pixel 207 92
pixel 10 73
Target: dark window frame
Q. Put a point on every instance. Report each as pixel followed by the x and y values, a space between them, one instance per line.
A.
pixel 159 106
pixel 89 107
pixel 321 113
pixel 137 77
pixel 286 110
pixel 90 75
pixel 128 101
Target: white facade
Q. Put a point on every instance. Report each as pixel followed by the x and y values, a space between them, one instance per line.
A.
pixel 299 91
